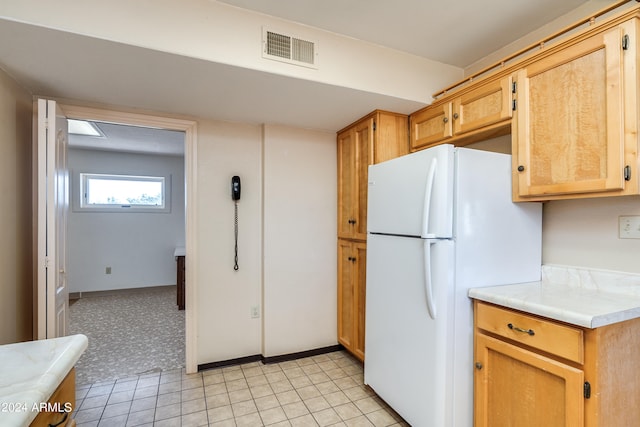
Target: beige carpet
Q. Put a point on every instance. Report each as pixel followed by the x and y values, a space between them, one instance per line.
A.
pixel 130 332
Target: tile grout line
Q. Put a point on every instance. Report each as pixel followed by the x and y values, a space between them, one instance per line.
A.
pixel 312 380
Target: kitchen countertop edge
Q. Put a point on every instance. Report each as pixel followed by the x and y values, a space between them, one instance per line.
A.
pixel 32 371
pixel 587 308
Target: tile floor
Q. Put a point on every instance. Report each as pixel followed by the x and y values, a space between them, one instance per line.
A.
pixel 324 390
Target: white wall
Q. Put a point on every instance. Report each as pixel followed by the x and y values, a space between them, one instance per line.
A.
pixel 287 246
pixel 225 297
pixel 584 233
pixel 137 246
pixel 299 240
pixel 16 304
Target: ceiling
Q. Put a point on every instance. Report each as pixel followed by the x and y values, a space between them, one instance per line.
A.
pixel 453 32
pixel 74 66
pixel 131 139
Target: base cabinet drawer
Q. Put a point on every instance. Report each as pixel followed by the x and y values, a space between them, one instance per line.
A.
pixel 551 337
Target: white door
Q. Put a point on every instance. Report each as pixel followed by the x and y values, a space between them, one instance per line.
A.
pixel 53 205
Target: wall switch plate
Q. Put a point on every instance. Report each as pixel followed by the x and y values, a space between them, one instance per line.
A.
pixel 107 270
pixel 255 312
pixel 629 227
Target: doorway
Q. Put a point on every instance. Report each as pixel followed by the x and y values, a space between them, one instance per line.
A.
pixel 125 222
pixel 189 130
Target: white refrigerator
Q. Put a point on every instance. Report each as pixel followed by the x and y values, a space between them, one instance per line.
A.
pixel 440 221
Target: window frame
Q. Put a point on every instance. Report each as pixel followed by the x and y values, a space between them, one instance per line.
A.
pixel 81 194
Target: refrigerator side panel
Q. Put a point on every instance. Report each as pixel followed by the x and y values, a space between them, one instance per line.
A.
pixel 408 353
pixel 397 189
pixel 497 242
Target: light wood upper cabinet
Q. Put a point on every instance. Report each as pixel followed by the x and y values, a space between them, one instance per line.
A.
pixel 355 154
pixel 431 125
pixel 576 126
pixel 482 107
pixel 477 113
pixel 375 138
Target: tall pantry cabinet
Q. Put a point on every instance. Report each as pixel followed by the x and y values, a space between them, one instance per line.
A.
pixel 375 138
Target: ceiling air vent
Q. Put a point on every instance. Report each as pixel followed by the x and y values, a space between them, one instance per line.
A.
pixel 285 48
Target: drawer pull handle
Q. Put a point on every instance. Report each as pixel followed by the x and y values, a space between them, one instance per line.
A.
pixel 66 415
pixel 526 331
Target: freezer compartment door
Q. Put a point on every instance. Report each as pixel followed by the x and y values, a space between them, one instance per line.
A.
pixel 408 353
pixel 412 195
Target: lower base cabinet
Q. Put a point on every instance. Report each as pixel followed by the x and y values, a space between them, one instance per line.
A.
pixel 531 371
pixel 352 256
pixel 63 397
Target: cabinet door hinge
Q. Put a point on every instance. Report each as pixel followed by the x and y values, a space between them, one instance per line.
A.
pixel 587 390
pixel 374 126
pixel 627 173
pixel 514 105
pixel 625 42
pixel 514 87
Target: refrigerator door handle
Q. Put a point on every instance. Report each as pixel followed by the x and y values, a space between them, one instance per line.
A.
pixel 428 191
pixel 428 284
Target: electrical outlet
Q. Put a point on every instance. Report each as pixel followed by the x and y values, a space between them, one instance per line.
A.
pixel 629 227
pixel 107 270
pixel 255 312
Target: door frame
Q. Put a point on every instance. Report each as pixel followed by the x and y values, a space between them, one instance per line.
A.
pixel 49 220
pixel 189 127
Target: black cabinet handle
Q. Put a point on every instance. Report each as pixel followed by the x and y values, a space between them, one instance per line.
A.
pixel 517 329
pixel 66 415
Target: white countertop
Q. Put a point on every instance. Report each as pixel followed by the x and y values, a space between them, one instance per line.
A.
pixel 588 298
pixel 31 371
pixel 179 251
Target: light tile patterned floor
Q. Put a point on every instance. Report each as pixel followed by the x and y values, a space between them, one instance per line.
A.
pixel 324 390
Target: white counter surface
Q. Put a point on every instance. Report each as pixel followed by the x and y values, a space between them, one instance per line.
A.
pixel 587 298
pixel 31 371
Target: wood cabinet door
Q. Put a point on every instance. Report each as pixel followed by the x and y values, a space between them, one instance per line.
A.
pixel 363 135
pixel 569 133
pixel 516 387
pixel 431 126
pixel 360 292
pixel 355 154
pixel 346 294
pixel 482 107
pixel 391 136
pixel 352 261
pixel 346 185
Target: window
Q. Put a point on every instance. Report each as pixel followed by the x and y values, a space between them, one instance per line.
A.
pixel 123 192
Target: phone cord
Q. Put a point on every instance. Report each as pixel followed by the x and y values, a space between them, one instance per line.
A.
pixel 235 267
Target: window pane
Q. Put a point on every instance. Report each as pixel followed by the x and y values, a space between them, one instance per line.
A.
pixel 119 191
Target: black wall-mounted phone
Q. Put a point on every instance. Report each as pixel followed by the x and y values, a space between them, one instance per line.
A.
pixel 235 188
pixel 235 196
